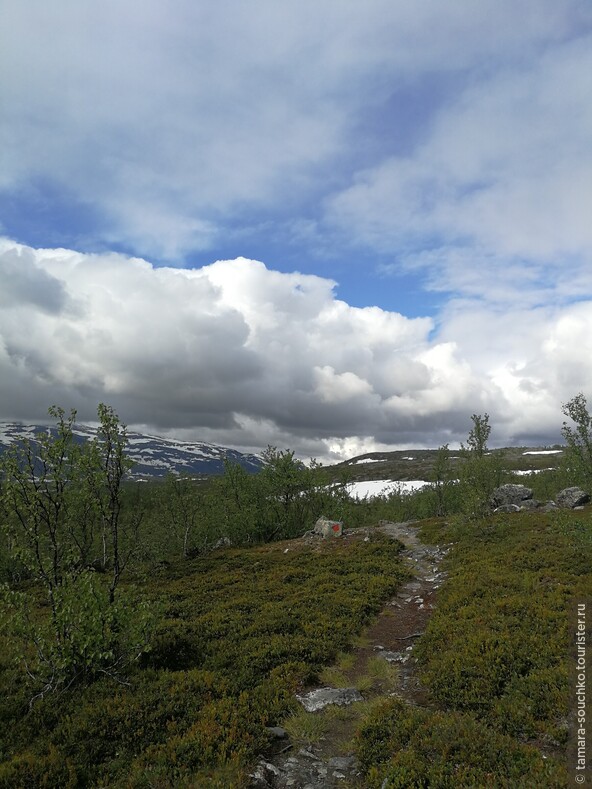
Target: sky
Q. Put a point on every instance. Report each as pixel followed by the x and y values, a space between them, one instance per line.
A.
pixel 333 227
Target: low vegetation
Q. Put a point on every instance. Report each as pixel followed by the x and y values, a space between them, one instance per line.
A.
pixel 495 658
pixel 235 633
pixel 151 633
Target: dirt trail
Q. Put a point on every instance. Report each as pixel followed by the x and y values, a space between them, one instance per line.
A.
pixel 403 619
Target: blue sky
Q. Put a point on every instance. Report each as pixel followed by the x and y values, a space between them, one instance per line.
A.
pixel 421 169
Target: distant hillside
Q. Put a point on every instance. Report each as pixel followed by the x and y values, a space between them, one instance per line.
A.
pixel 418 464
pixel 153 456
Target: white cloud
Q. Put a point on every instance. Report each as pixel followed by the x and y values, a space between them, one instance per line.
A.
pixel 171 123
pixel 241 355
pixel 496 201
pixel 186 128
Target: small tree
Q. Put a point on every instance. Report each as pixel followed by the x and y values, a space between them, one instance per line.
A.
pixel 236 505
pixel 50 521
pixel 578 458
pixel 62 499
pixel 442 480
pixel 479 435
pixel 296 494
pixel 480 473
pixel 105 465
pixel 183 508
pixel 280 501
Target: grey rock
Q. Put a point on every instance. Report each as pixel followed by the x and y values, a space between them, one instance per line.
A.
pixel 530 504
pixel 328 528
pixel 510 494
pixel 322 697
pixel 569 498
pixel 391 657
pixel 342 762
pixel 309 754
pixel 550 506
pixel 507 508
pixel 277 732
pixel 264 775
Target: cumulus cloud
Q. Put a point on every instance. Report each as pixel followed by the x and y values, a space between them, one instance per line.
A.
pixel 243 355
pixel 446 141
pixel 23 282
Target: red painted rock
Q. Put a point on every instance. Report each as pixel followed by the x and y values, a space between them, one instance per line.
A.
pixel 328 528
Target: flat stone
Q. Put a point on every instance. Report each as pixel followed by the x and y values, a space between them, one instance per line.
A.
pixel 341 762
pixel 322 697
pixel 308 754
pixel 390 657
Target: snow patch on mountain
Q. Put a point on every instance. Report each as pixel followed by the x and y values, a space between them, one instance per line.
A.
pixel 153 456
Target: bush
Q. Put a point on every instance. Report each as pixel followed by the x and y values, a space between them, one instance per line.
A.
pixel 405 747
pixel 63 515
pixel 499 635
pixel 96 637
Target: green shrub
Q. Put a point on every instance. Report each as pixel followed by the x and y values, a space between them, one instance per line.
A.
pixel 402 746
pixel 497 644
pixel 45 770
pixel 240 631
pixel 61 520
pixel 577 460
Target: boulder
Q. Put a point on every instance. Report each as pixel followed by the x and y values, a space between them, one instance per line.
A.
pixel 569 498
pixel 550 506
pixel 526 504
pixel 510 494
pixel 530 504
pixel 327 528
pixel 223 542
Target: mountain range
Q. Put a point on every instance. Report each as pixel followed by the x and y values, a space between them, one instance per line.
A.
pixel 153 456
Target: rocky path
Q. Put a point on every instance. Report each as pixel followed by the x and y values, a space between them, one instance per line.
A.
pixel 391 638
